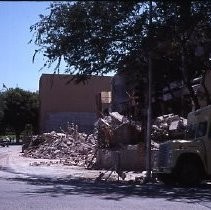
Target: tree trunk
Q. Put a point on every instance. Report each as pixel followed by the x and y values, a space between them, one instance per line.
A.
pixel 185 20
pixel 17 136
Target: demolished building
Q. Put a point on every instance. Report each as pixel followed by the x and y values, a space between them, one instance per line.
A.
pixel 119 143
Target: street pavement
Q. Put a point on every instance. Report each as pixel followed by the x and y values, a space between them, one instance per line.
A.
pixel 30 190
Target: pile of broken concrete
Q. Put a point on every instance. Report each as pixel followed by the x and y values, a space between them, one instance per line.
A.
pixel 116 128
pixel 71 148
pixel 114 131
pixel 168 127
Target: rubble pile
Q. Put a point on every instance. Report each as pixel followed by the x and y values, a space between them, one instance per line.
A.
pixel 116 130
pixel 113 132
pixel 168 127
pixel 72 147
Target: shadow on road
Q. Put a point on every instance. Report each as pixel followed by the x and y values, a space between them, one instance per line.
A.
pixel 116 190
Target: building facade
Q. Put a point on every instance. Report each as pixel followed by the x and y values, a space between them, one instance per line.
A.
pixel 62 102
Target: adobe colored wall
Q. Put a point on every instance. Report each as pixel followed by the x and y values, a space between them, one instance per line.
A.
pixel 61 102
pixel 131 157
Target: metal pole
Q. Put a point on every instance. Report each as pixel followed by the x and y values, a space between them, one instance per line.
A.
pixel 149 111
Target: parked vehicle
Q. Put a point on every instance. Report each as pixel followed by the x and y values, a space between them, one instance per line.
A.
pixel 4 142
pixel 187 161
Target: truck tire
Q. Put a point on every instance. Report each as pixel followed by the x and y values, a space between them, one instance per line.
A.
pixel 167 179
pixel 189 173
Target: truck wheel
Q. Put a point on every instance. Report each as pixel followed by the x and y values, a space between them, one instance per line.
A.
pixel 189 173
pixel 167 179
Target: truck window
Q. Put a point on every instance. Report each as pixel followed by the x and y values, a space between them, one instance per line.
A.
pixel 201 129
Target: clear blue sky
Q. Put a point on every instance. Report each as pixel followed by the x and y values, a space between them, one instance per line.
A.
pixel 16 67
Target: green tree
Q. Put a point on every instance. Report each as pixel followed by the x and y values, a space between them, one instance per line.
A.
pixel 96 37
pixel 186 30
pixel 20 108
pixel 2 108
pixel 86 35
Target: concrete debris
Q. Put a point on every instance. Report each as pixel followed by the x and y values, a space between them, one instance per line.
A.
pixel 115 134
pixel 70 147
pixel 168 127
pixel 116 130
pixel 107 174
pixel 118 117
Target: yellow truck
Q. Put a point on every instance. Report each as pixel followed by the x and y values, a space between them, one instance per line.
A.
pixel 186 161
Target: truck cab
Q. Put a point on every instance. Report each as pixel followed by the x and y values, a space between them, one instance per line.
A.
pixel 187 161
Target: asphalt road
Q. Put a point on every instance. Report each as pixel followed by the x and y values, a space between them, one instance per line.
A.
pixel 35 192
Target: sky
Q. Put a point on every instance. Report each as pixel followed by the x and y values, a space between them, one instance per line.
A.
pixel 16 66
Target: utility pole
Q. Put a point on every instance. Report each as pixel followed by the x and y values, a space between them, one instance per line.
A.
pixel 149 110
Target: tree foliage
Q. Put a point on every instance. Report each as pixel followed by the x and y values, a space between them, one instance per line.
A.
pixel 20 108
pixel 90 36
pixel 96 37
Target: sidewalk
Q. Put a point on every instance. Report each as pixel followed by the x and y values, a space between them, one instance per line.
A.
pixel 13 162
